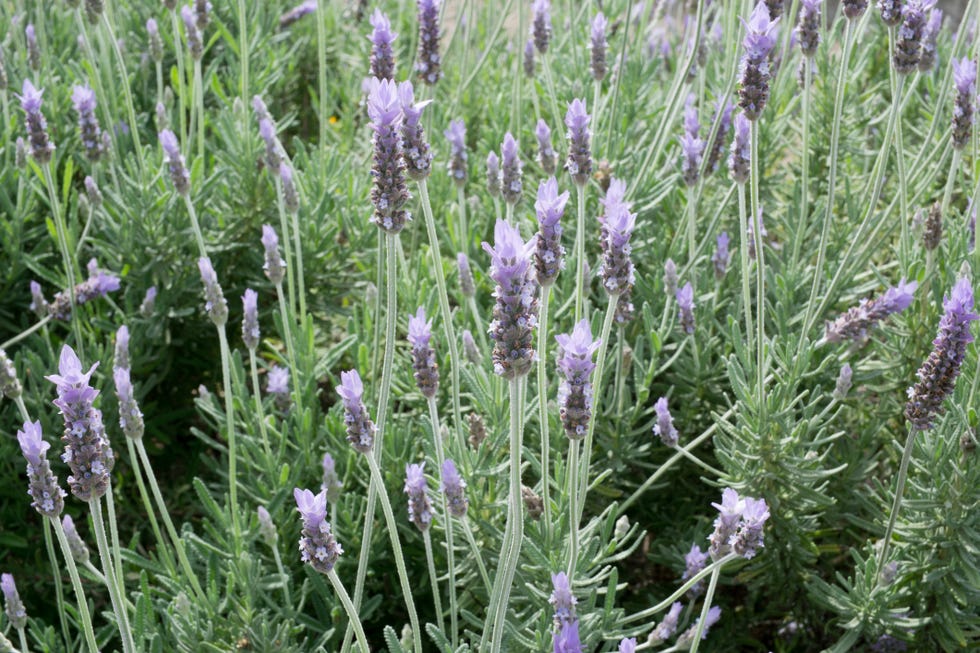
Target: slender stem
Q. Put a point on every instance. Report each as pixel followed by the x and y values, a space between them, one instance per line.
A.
pixel 114 541
pixel 199 105
pixel 703 621
pixel 697 461
pixel 76 584
pixel 619 75
pixel 26 332
pixel 195 226
pixel 580 253
pixel 300 283
pixel 284 576
pixel 515 520
pixel 477 555
pixel 450 553
pixel 805 164
pixel 396 548
pixel 56 574
pixel 243 49
pixel 600 366
pixel 167 521
pixel 122 618
pixel 259 410
pixel 182 76
pixel 552 95
pixel 903 472
pixel 951 180
pixel 690 219
pixel 509 213
pixel 464 234
pixel 232 444
pixel 481 335
pixel 573 482
pixel 22 637
pixel 71 272
pixel 760 267
pixel 433 579
pixel 543 407
pixel 390 242
pixel 148 507
pixel 291 358
pixel 447 317
pixel 287 247
pixel 351 611
pixel 127 93
pixel 503 16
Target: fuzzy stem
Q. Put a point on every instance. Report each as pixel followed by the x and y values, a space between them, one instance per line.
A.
pixel 447 317
pixel 114 540
pixel 573 483
pixel 760 268
pixel 76 584
pixel 478 321
pixel 805 164
pixel 199 106
pixel 903 472
pixel 26 332
pixel 896 86
pixel 951 180
pixel 59 594
pixel 182 76
pixel 396 548
pixel 450 553
pixel 71 270
pixel 243 49
pixel 287 247
pixel 260 411
pixel 118 606
pixel 580 252
pixel 619 75
pixel 167 521
pixel 320 15
pixel 232 444
pixel 552 95
pixel 464 235
pixel 148 507
pixel 300 283
pixel 477 555
pixel 743 222
pixel 543 424
pixel 22 637
pixel 690 219
pixel 290 357
pixel 712 584
pixel 600 366
pixel 679 592
pixel 195 225
pixel 355 621
pixel 127 93
pixel 433 579
pixel 284 576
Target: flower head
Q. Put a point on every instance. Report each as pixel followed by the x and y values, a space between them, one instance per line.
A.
pixel 317 545
pixel 665 423
pixel 456 135
pixel 415 149
pixel 77 546
pixel 685 308
pixel 382 55
pixel 547 157
pixel 579 162
pixel 562 600
pixel 541 25
pixel 41 147
pixel 47 495
pixel 428 61
pixel 453 487
pixel 493 174
pixel 760 37
pixel 274 268
pixel 214 299
pixel 179 175
pixel 13 606
pixel 549 253
pixel 388 193
pixel 598 46
pixel 515 311
pixel 511 174
pixel 423 356
pixel 419 505
pixel 575 391
pixel 859 320
pixel 360 428
pixel 250 319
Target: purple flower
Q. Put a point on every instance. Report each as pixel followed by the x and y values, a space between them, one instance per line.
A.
pixel 579 162
pixel 419 506
pixel 215 303
pixel 760 37
pixel 692 147
pixel 908 49
pixel 303 9
pixel 453 487
pixel 466 284
pixel 627 645
pixel 13 606
pixel 193 33
pixel 428 62
pixel 10 386
pixel 130 416
pixel 685 638
pixel 549 253
pixel 274 268
pixel 273 156
pixel 382 55
pixel 78 548
pixel 808 29
pixel 250 319
pixel 179 175
pixel 965 81
pixel 83 101
pixel 859 320
pixel 99 284
pixel 42 484
pixel 41 147
pixel 456 135
pixel 121 355
pixel 729 514
pixel 202 11
pixel 668 626
pixel 267 529
pixel 87 449
pixel 547 157
pixel 39 305
pixel 739 162
pixel 511 183
pixel 665 423
pixel 891 11
pixel 685 307
pixel 33 51
pixel 937 376
pixel 360 428
pixel 616 229
pixel 562 600
pixel 854 9
pixel 515 313
pixel 529 58
pixel 415 149
pixel 927 58
pixel 493 175
pixel 748 539
pixel 331 483
pixel 843 382
pixel 670 278
pixel 724 126
pixel 567 639
pixel 389 193
pixel 541 26
pixel 423 356
pixel 694 561
pixel 478 430
pixel 721 257
pixel 472 352
pixel 575 351
pixel 92 192
pixel 598 47
pixel 317 545
pixel 277 385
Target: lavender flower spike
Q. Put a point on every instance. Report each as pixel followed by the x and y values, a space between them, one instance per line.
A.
pixel 740 160
pixel 41 147
pixel 729 514
pixel 290 197
pixel 382 56
pixel 10 386
pixel 33 51
pixel 98 284
pixel 453 487
pixel 692 147
pixel 854 9
pixel 456 135
pixel 388 193
pixel 13 606
pixel 859 320
pixel 423 356
pixel 927 58
pixel 575 391
pixel 748 539
pixel 83 100
pixel 466 284
pixel 331 483
pixel 267 529
pixel 808 29
pixel 843 382
pixel 415 149
pixel 549 253
pixel 493 175
pixel 317 545
pixel 937 376
pixel 511 177
pixel 760 37
pixel 562 600
pixel 516 310
pixel 617 226
pixel 155 42
pixel 360 428
pixel 579 162
pixel 965 81
pixel 195 42
pixel 598 46
pixel 665 423
pixel 77 546
pixel 694 561
pixel 541 27
pixel 39 305
pixel 567 639
pixel 685 638
pixel 47 495
pixel 428 62
pixel 627 645
pixel 547 157
pixel 274 268
pixel 215 303
pixel 419 506
pixel 87 449
pixel 273 157
pixel 724 126
pixel 668 625
pixel 908 49
pixel 891 11
pixel 277 385
pixel 179 175
pixel 721 256
pixel 250 319
pixel 529 58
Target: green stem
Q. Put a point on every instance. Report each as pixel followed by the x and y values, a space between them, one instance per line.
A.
pixel 26 332
pixel 450 553
pixel 690 220
pixel 127 93
pixel 580 252
pixel 232 444
pixel 76 584
pixel 243 49
pixel 760 268
pixel 114 541
pixel 300 283
pixel 284 576
pixel 178 541
pixel 22 637
pixel 182 76
pixel 464 235
pixel 148 507
pixel 433 579
pixel 71 270
pixel 573 482
pixel 703 621
pixel 396 548
pixel 951 180
pixel 290 357
pixel 903 472
pixel 477 555
pixel 646 614
pixel 122 618
pixel 355 621
pixel 552 95
pixel 543 424
pixel 447 318
pixel 199 106
pixel 619 76
pixel 321 52
pixel 287 246
pixel 481 335
pixel 195 226
pixel 259 410
pixel 600 366
pixel 805 165
pixel 56 574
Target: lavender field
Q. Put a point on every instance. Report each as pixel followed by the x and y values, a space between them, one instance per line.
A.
pixel 470 326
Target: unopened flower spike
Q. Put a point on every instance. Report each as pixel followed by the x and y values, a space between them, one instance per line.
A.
pixel 664 427
pixel 277 385
pixel 360 428
pixel 493 174
pixel 250 319
pixel 83 101
pixel 192 32
pixel 927 57
pixel 290 197
pixel 453 487
pixel 423 355
pixel 456 135
pixel 13 606
pixel 41 147
pixel 267 529
pixel 722 256
pixel 331 483
pixel 98 284
pixel 685 638
pixel 685 307
pixel 274 267
pixel 382 54
pixel 858 321
pixel 579 161
pixel 415 149
pixel 419 505
pixel 808 29
pixel 511 174
pixel 692 147
pixel 48 497
pixel 215 304
pixel 740 160
pixel 694 562
pixel 541 25
pixel 668 625
pixel 965 81
pixel 529 58
pixel 891 11
pixel 179 175
pixel 79 550
pixel 33 50
pixel 10 386
pixel 724 126
pixel 598 46
pixel 547 157
pixel 428 63
pixel 317 545
pixel 908 49
pixel 467 286
pixel 562 600
pixel 549 255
